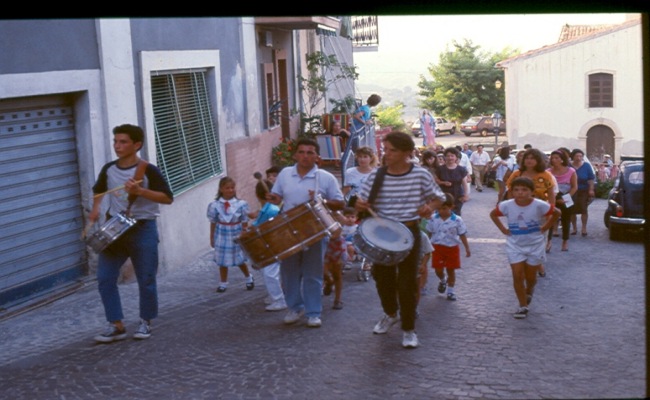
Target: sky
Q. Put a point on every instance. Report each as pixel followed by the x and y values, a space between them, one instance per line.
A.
pixel 409 44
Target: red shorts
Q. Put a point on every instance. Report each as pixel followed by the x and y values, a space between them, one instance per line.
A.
pixel 336 251
pixel 445 257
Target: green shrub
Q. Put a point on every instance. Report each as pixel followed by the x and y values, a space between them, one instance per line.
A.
pixel 602 189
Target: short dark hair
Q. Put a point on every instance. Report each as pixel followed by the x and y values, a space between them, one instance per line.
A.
pixel 307 142
pixel 449 200
pixel 273 170
pixel 504 153
pixel 562 155
pixel 452 150
pixel 523 181
pixel 135 132
pixel 576 151
pixel 349 211
pixel 528 146
pixel 373 100
pixel 400 140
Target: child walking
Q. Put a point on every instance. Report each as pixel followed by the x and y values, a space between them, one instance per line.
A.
pixel 336 255
pixel 271 272
pixel 526 241
pixel 228 216
pixel 423 272
pixel 448 231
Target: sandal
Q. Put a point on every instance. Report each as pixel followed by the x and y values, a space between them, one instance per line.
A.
pixel 338 305
pixel 548 247
pixel 574 233
pixel 584 234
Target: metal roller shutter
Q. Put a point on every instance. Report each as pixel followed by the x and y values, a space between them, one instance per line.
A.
pixel 40 202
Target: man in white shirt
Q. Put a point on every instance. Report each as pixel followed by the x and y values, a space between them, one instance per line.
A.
pixel 479 160
pixel 463 161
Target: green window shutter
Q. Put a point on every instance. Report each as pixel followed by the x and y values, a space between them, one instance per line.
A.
pixel 187 144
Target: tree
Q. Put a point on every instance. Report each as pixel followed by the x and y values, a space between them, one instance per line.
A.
pixel 462 84
pixel 391 116
pixel 323 72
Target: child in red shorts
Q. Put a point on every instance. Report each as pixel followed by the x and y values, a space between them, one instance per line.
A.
pixel 447 232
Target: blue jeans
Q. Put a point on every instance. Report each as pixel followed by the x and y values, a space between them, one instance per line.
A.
pixel 140 243
pixel 302 278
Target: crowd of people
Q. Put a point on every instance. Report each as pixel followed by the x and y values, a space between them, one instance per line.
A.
pixel 422 192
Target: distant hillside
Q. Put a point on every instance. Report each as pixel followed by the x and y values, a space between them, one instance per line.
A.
pixel 390 95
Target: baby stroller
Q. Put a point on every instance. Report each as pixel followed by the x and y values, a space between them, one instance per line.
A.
pixel 361 265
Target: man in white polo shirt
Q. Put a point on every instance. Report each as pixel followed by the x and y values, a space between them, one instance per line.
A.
pixel 479 160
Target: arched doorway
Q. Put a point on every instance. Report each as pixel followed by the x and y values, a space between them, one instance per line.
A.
pixel 600 141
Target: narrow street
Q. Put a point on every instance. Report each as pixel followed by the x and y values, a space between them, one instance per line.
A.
pixel 584 337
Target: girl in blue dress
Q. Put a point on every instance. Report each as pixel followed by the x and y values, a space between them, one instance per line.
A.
pixel 228 216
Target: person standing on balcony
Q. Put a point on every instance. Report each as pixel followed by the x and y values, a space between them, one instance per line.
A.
pixel 428 127
pixel 362 117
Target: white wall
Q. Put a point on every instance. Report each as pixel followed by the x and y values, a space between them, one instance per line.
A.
pixel 547 94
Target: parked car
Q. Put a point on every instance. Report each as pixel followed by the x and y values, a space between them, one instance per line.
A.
pixel 483 125
pixel 442 125
pixel 625 201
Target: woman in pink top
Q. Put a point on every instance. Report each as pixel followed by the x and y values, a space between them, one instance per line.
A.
pixel 567 182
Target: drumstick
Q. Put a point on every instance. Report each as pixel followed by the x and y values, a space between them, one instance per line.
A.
pixel 113 190
pixel 83 233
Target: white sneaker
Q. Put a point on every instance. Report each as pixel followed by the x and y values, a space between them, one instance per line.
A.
pixel 385 324
pixel 314 322
pixel 268 300
pixel 144 331
pixel 277 306
pixel 410 340
pixel 293 316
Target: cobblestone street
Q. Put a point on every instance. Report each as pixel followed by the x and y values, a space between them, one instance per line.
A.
pixel 585 336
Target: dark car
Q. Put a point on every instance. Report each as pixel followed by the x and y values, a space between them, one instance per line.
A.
pixel 625 201
pixel 483 125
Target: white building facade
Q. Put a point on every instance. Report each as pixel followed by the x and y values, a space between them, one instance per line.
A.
pixel 584 93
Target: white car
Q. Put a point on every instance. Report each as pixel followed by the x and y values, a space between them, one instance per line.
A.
pixel 442 125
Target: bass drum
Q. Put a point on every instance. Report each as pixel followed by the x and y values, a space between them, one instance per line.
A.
pixel 383 241
pixel 288 233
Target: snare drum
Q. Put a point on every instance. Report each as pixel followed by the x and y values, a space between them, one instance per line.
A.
pixel 288 233
pixel 383 241
pixel 110 231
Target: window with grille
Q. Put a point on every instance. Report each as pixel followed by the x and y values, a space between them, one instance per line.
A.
pixel 187 143
pixel 601 90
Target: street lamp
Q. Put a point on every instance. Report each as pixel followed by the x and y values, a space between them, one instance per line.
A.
pixel 496 120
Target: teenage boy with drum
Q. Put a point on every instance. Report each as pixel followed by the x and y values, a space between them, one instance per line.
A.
pixel 408 193
pixel 140 196
pixel 302 273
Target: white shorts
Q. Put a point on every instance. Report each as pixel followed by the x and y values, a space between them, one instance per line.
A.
pixel 532 254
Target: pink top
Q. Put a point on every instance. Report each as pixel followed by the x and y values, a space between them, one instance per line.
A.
pixel 564 180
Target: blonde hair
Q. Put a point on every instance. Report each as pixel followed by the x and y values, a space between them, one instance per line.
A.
pixel 367 151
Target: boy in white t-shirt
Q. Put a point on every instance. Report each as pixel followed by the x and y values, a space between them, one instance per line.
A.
pixel 526 241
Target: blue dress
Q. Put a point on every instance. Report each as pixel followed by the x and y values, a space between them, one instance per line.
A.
pixel 228 226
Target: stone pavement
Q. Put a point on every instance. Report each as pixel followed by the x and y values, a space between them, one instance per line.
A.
pixel 585 336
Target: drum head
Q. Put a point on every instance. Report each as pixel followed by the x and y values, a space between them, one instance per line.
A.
pixel 386 234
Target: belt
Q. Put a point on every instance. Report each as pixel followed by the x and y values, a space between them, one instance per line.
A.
pixel 229 223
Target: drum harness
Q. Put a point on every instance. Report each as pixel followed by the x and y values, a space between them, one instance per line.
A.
pixel 138 176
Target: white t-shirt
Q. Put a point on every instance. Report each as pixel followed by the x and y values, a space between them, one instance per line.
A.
pixel 524 222
pixel 354 179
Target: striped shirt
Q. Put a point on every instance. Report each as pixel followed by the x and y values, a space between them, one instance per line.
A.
pixel 400 196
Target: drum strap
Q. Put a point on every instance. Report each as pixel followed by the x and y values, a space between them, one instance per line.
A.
pixel 376 184
pixel 139 174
